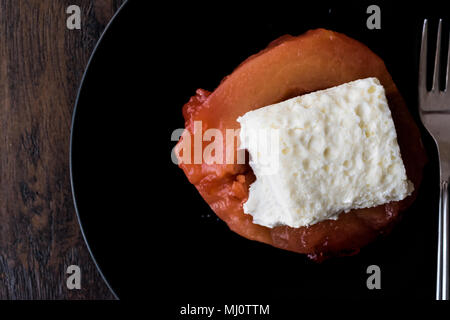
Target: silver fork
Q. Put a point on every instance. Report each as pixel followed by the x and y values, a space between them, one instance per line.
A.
pixel 434 110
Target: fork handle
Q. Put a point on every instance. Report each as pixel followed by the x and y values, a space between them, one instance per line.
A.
pixel 443 263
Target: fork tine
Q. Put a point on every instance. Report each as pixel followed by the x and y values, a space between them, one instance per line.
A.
pixel 448 65
pixel 423 60
pixel 437 59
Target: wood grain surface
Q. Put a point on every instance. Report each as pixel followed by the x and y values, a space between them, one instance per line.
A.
pixel 41 65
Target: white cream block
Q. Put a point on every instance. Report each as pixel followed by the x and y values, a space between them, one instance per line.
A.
pixel 321 154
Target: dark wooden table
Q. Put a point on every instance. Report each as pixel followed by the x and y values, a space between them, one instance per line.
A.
pixel 41 65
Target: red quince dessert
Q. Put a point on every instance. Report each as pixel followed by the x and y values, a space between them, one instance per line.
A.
pixel 288 67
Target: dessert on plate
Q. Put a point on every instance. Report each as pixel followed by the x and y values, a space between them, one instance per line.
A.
pixel 331 153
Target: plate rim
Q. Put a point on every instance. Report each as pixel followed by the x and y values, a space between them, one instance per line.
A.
pixel 72 125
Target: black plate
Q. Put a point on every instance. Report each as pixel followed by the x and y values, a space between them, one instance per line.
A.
pixel 149 229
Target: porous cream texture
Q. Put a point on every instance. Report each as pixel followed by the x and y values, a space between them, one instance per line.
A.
pixel 336 150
